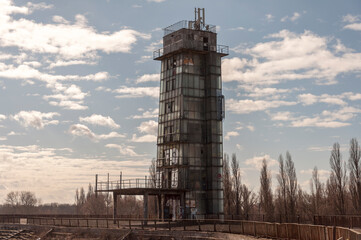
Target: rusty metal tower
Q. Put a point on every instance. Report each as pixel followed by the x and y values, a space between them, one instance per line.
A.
pixel 191 110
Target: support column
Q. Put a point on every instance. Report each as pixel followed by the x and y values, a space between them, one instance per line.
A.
pixel 96 185
pixel 162 206
pixel 159 206
pixel 145 205
pixel 115 203
pixel 183 205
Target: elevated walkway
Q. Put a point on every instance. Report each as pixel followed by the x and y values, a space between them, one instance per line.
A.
pixel 141 186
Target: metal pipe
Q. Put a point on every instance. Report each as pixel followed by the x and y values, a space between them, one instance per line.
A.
pixel 96 185
pixel 204 17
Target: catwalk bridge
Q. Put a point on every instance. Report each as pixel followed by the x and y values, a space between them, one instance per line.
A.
pixel 141 186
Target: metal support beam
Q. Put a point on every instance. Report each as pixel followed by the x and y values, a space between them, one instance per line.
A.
pixel 145 206
pixel 183 205
pixel 115 203
pixel 163 205
pixel 96 185
pixel 159 206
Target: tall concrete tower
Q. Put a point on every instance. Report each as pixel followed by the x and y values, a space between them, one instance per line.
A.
pixel 191 110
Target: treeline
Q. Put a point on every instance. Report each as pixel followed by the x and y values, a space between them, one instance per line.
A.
pixel 26 202
pixel 339 195
pixel 286 202
pixel 102 204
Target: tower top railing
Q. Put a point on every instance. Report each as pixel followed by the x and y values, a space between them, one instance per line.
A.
pixel 222 49
pixel 194 25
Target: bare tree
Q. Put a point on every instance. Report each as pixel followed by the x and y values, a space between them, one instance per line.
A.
pixel 152 182
pixel 21 202
pixel 292 186
pixel 249 200
pixel 153 172
pixel 237 185
pixel 282 184
pixel 12 199
pixel 338 178
pixel 82 196
pixel 227 185
pixel 28 199
pixel 266 198
pixel 355 174
pixel 316 191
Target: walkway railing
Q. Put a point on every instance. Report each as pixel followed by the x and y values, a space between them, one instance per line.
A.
pixel 135 183
pixel 257 229
pixel 223 49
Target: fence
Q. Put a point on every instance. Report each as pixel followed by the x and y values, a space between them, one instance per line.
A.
pixel 349 221
pixel 257 229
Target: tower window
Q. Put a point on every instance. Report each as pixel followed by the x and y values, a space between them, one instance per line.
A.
pixel 169 107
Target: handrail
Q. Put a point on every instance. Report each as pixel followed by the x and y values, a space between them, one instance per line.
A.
pixel 254 228
pixel 135 183
pixel 222 49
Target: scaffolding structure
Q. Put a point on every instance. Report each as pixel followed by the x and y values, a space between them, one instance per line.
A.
pixel 190 130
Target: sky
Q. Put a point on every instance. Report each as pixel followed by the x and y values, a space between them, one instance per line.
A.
pixel 79 87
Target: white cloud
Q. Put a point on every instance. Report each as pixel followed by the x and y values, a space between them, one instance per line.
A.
pixel 148 78
pixel 60 19
pixel 31 164
pixel 150 127
pixel 239 147
pixel 354 22
pixel 27 72
pixel 352 96
pixel 137 92
pixel 326 119
pixel 322 173
pixel 292 57
pixel 269 17
pixel 144 59
pixel 157 1
pixel 237 28
pixel 81 130
pixel 293 18
pixel 154 46
pixel 320 149
pixel 61 63
pixel 248 105
pixel 353 26
pixel 256 162
pixel 151 113
pixel 2 117
pixel 351 18
pixel 340 48
pixel 268 92
pixel 12 133
pixel 35 119
pixel 38 6
pixel 282 116
pixel 110 135
pixel 241 126
pixel 124 150
pixel 143 139
pixel 100 120
pixel 309 99
pixel 231 134
pixel 66 96
pixel 70 41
